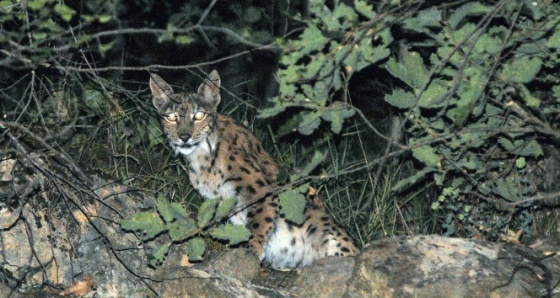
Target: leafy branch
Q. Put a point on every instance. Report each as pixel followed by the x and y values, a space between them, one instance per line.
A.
pixel 181 225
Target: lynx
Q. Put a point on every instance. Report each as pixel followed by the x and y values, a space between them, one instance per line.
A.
pixel 225 160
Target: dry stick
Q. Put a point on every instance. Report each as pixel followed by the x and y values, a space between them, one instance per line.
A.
pixel 46 173
pixel 150 67
pixel 191 29
pixel 199 23
pixel 63 157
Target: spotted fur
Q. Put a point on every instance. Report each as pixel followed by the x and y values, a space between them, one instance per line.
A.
pixel 225 160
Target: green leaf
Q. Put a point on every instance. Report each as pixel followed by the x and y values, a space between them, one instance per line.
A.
pixel 184 39
pixel 434 206
pixel 529 49
pixel 468 96
pixel 314 66
pixel 105 47
pixel 521 147
pixel 430 17
pixel 262 36
pixel 364 8
pixel 50 25
pixel 521 70
pixel 64 11
pixel 179 212
pixel 232 233
pixel 290 125
pixel 164 209
pixel 506 189
pixel 554 40
pixel 225 208
pixel 310 123
pixel 529 99
pixel 252 14
pixel 411 180
pixel 168 35
pixel 400 99
pixel 472 139
pixel 520 162
pixel 556 92
pixel 153 128
pixel 438 125
pixel 36 4
pixel 484 189
pixel 158 256
pixel 337 116
pixel 6 6
pixel 470 8
pixel 181 230
pixel 456 59
pixel 373 55
pixel 292 205
pixel 489 44
pixel 104 18
pixel 196 249
pixel 271 112
pixel 471 162
pixel 206 212
pixel 312 39
pixel 507 144
pixel 427 155
pixel 149 223
pixel 344 13
pixel 95 102
pixel 532 148
pixel 39 36
pixel 434 96
pixel 411 70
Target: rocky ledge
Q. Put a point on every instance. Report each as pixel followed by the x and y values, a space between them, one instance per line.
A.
pixel 73 245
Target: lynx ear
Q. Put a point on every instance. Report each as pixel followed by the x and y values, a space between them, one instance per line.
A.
pixel 210 89
pixel 160 90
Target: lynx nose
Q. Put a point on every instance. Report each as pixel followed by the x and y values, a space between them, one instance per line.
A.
pixel 184 137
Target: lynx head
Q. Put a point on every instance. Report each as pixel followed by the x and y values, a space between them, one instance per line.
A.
pixel 188 119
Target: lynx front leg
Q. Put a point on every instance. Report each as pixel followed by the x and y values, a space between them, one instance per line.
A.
pixel 262 217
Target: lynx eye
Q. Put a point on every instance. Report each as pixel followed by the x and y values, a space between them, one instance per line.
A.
pixel 171 117
pixel 199 116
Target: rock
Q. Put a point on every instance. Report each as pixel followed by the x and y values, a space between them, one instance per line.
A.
pixel 242 264
pixel 327 277
pixel 191 282
pixel 435 266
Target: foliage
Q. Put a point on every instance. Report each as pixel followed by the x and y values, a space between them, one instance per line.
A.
pixel 475 86
pixel 180 225
pixel 292 204
pixel 471 102
pixel 322 60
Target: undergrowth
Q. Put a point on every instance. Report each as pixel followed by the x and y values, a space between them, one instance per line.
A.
pixel 474 84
